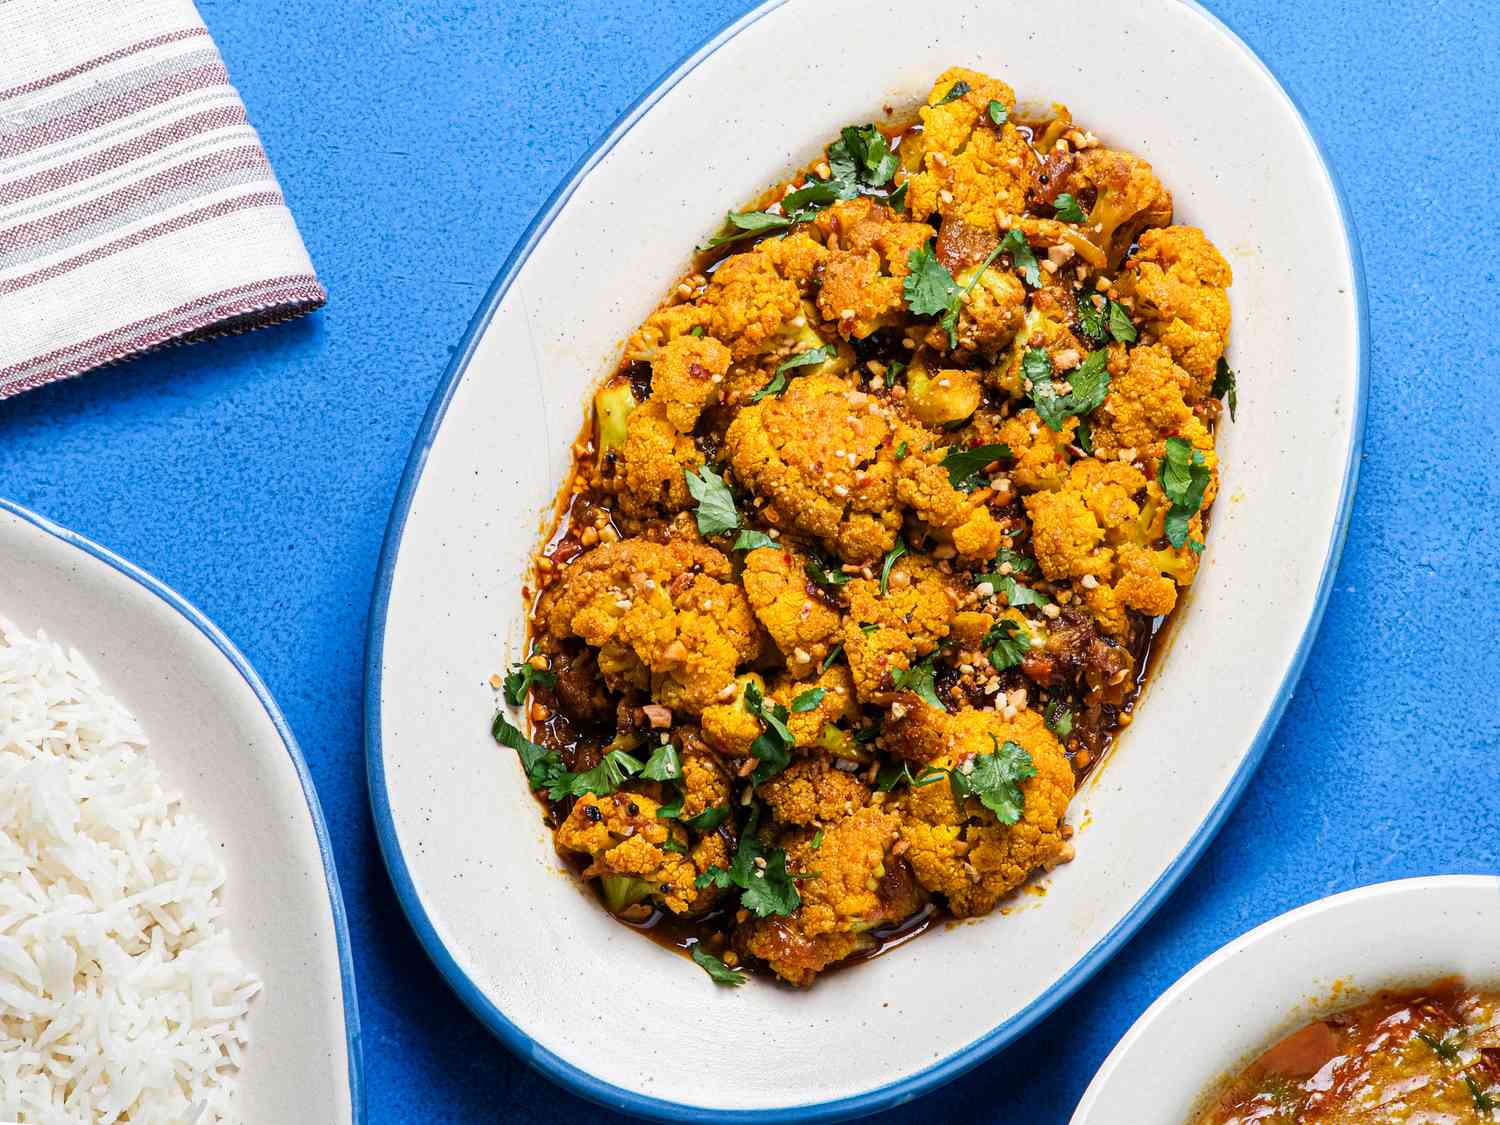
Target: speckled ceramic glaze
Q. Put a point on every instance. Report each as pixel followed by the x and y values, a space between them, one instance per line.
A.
pixel 471 861
pixel 221 743
pixel 1309 962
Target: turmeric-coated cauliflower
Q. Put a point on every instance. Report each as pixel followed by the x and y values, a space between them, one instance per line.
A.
pixel 802 625
pixel 811 793
pixel 885 632
pixel 869 246
pixel 624 837
pixel 749 302
pixel 960 849
pixel 835 704
pixel 686 375
pixel 664 616
pixel 1145 406
pixel 1178 278
pixel 1128 199
pixel 1041 453
pixel 649 467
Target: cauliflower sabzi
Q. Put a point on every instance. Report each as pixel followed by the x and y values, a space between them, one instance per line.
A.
pixel 869 535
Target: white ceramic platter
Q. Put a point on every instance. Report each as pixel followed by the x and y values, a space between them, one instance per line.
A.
pixel 462 838
pixel 1241 999
pixel 222 744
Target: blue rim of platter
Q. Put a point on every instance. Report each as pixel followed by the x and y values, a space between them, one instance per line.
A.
pixel 913 1086
pixel 195 617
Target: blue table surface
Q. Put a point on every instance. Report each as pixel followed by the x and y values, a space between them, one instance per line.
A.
pixel 416 140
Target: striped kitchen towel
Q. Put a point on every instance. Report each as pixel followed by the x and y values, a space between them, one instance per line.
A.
pixel 137 207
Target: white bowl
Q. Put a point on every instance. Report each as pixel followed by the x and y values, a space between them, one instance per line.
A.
pixel 221 742
pixel 1294 969
pixel 462 838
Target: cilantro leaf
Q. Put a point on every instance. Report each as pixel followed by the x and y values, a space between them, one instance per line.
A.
pixel 949 322
pixel 929 288
pixel 1184 477
pixel 1483 1102
pixel 955 91
pixel 544 768
pixel 1066 208
pixel 753 541
pixel 808 701
pixel 1224 386
pixel 817 840
pixel 965 465
pixel 893 774
pixel 862 157
pixel 778 384
pixel 1444 1048
pixel 1120 326
pixel 1019 563
pixel 919 678
pixel 766 887
pixel 663 765
pixel 673 809
pixel 1015 594
pixel 1059 718
pixel 995 779
pixel 672 845
pixel 719 972
pixel 998 111
pixel 519 681
pixel 745 224
pixel 833 654
pixel 708 819
pixel 716 511
pixel 612 772
pixel 773 747
pixel 830 578
pixel 897 198
pixel 890 560
pixel 1014 243
pixel 1088 386
pixel 1007 642
pixel 1091 317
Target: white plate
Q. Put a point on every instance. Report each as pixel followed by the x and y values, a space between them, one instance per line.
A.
pixel 1240 1000
pixel 221 743
pixel 462 838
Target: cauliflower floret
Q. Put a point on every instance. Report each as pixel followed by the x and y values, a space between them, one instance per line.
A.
pixel 824 464
pixel 727 726
pixel 1040 452
pixel 798 258
pixel 943 397
pixel 662 327
pixel 686 375
pixel 857 886
pixel 648 473
pixel 664 616
pixel 1178 279
pixel 925 487
pixel 837 704
pixel 802 625
pixel 624 838
pixel 960 850
pixel 991 314
pixel 1046 326
pixel 811 793
pixel 749 302
pixel 1128 199
pixel 908 622
pixel 862 279
pixel 705 784
pixel 1145 406
pixel 973 171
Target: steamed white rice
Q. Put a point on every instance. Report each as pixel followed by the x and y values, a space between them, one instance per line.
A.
pixel 121 997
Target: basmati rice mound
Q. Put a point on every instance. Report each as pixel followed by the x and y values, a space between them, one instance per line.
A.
pixel 121 997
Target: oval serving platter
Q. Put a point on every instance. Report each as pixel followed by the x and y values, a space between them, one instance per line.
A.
pixel 1327 955
pixel 471 862
pixel 224 746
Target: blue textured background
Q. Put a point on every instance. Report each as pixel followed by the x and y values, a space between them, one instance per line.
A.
pixel 415 140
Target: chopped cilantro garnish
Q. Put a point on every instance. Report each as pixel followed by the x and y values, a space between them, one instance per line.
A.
pixel 663 765
pixel 893 372
pixel 869 628
pixel 753 541
pixel 1445 1048
pixel 1013 592
pixel 919 678
pixel 1120 326
pixel 833 654
pixel 1483 1102
pixel 765 888
pixel 890 560
pixel 1184 477
pixel 1088 384
pixel 893 774
pixel 998 112
pixel 778 384
pixel 708 819
pixel 1018 562
pixel 611 773
pixel 671 845
pixel 745 224
pixel 1224 386
pixel 519 681
pixel 955 91
pixel 829 577
pixel 716 969
pixel 965 465
pixel 716 511
pixel 1059 719
pixel 773 748
pixel 862 158
pixel 1007 642
pixel 897 198
pixel 808 701
pixel 1066 208
pixel 544 768
pixel 1014 243
pixel 929 288
pixel 901 451
pixel 698 330
pixel 995 779
pixel 817 840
